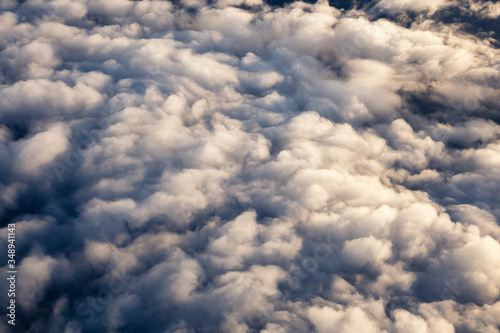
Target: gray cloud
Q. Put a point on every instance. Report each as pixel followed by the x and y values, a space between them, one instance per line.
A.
pixel 241 167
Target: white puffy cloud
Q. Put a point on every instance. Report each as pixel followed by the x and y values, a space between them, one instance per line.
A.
pixel 37 272
pixel 35 153
pixel 235 166
pixel 413 5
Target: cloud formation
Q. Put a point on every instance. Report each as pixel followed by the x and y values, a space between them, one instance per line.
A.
pixel 243 167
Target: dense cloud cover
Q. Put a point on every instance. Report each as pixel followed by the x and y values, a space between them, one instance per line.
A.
pixel 238 166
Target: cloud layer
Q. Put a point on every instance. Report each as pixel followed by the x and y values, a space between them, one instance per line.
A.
pixel 242 167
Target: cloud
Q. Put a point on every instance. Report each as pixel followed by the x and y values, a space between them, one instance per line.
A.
pixel 33 154
pixel 237 166
pixel 403 5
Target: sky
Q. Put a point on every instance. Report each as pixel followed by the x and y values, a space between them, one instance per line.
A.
pixel 245 166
